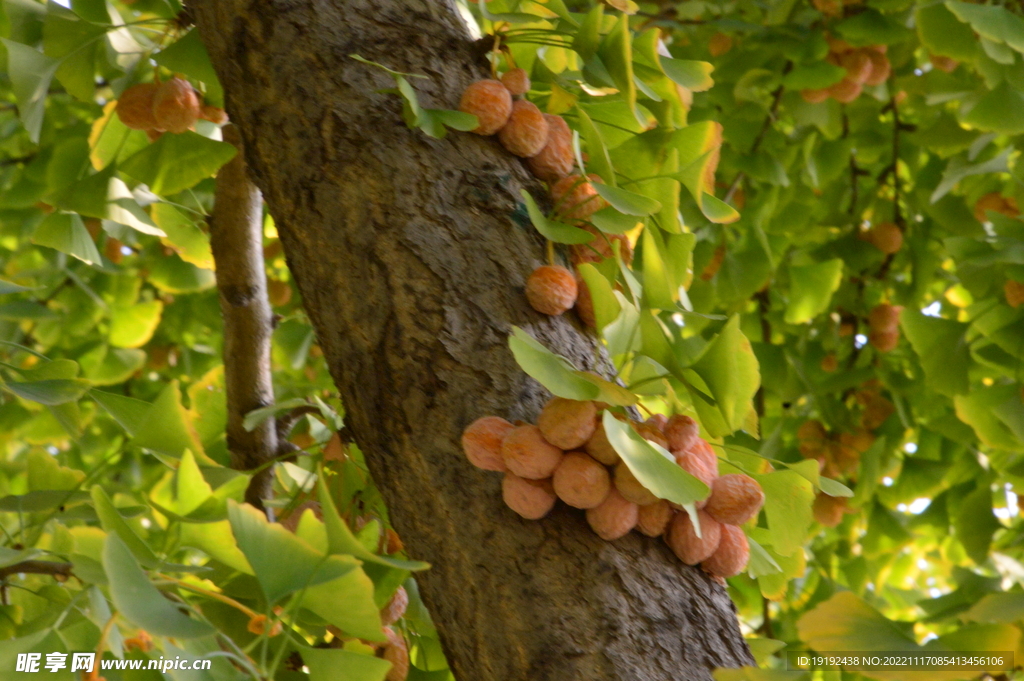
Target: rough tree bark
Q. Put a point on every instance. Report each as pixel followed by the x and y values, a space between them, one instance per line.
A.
pixel 236 241
pixel 411 255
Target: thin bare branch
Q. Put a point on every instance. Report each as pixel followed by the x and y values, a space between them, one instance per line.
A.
pixel 36 567
pixel 236 239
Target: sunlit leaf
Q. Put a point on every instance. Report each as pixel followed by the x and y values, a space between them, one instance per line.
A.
pixel 730 371
pixel 262 542
pixel 653 466
pixel 811 288
pixel 177 162
pixel 327 664
pixel 606 306
pixel 188 56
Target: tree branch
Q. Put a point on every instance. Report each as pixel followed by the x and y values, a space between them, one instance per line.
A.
pixel 897 214
pixel 773 110
pixel 36 567
pixel 286 422
pixel 236 239
pixel 763 304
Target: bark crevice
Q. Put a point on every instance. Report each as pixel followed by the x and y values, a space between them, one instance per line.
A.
pixel 411 255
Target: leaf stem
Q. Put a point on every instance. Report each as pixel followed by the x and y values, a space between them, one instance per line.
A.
pixel 250 613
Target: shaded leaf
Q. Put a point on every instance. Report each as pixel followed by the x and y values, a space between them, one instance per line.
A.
pixel 67 234
pixel 139 601
pixel 30 72
pixel 941 348
pixel 552 230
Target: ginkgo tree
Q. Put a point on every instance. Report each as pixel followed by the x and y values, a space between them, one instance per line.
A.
pixel 811 244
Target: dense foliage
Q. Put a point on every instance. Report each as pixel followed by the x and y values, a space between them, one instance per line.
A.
pixel 772 224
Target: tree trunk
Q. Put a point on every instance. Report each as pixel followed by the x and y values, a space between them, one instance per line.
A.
pixel 411 255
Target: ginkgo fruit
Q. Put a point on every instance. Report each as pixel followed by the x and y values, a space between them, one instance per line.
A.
pixel 885 236
pixel 828 511
pixel 659 421
pixel 526 132
pixel 631 488
pixel 600 448
pixel 176 106
pixel 845 91
pixel 735 499
pixel 528 454
pixel 517 81
pixel 653 519
pixel 481 442
pixel 703 450
pixel 996 202
pixel 884 317
pixel 575 197
pixel 1014 292
pixel 567 424
pixel 682 433
pixel 651 433
pixel 555 160
pixel 135 106
pixel 551 290
pixel 731 556
pixel 490 102
pixel 881 68
pixel 829 362
pixel 397 653
pixel 214 114
pixel 681 537
pixel 394 609
pixel 614 517
pixel 585 304
pixel 858 66
pixel 719 44
pixel 532 499
pixel 601 247
pixel 943 63
pixel 697 466
pixel 884 341
pixel 580 481
pixel 814 96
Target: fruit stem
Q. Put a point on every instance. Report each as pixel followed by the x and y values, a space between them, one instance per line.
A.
pixel 509 58
pixel 551 252
pixel 495 55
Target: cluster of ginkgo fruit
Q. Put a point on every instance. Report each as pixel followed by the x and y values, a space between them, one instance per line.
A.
pixel 170 106
pixel 838 453
pixel 863 65
pixel 884 326
pixel 545 141
pixel 567 456
pixel 1004 205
